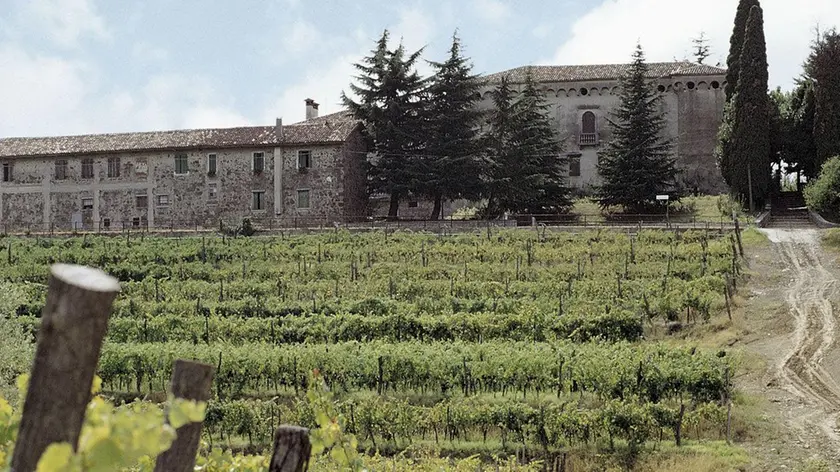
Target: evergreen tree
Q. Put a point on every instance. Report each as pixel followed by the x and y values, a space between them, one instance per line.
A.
pixel 736 44
pixel 637 164
pixel 526 168
pixel 750 126
pixel 799 149
pixel 451 162
pixel 541 168
pixel 824 64
pixel 701 48
pixel 500 151
pixel 390 107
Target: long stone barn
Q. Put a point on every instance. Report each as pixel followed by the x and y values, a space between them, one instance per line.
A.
pixel 308 172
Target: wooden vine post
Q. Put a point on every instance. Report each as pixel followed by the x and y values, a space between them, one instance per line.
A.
pixel 291 450
pixel 73 325
pixel 190 381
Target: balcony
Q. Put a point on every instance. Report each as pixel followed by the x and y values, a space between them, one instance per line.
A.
pixel 588 139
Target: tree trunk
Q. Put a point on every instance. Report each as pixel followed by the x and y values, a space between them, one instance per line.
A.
pixel 436 210
pixel 394 208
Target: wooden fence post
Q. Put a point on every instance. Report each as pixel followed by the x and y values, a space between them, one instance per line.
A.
pixel 190 381
pixel 73 324
pixel 291 450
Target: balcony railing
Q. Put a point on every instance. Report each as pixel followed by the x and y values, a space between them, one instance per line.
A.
pixel 588 139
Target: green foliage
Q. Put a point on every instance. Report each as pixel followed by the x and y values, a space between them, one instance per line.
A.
pixel 736 45
pixel 745 148
pixel 247 229
pixel 824 66
pixel 637 164
pixel 823 194
pixel 391 108
pixel 450 164
pixel 526 165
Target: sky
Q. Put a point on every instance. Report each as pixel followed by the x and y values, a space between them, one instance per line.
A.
pixel 99 66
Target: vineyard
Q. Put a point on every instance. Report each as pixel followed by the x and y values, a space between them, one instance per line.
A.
pixel 488 343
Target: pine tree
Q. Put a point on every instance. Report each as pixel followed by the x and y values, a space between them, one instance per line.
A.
pixel 701 48
pixel 526 168
pixel 390 107
pixel 500 151
pixel 541 167
pixel 736 44
pixel 451 162
pixel 750 129
pixel 824 64
pixel 637 164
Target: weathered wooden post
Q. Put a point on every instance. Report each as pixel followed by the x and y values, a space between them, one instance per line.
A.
pixel 190 381
pixel 291 450
pixel 74 321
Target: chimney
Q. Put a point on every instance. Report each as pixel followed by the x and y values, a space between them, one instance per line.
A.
pixel 278 130
pixel 311 109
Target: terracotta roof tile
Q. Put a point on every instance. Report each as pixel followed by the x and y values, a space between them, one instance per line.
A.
pixel 333 128
pixel 582 73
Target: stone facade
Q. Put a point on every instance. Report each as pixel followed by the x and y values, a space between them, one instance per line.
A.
pixel 184 178
pixel 582 97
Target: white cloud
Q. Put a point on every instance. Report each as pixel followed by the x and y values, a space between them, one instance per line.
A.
pixel 301 37
pixel 665 32
pixel 492 11
pixel 67 21
pixel 145 52
pixel 51 95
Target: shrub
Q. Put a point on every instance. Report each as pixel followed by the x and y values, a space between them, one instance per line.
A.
pixel 823 195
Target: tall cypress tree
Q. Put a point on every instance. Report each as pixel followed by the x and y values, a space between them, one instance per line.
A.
pixel 736 44
pixel 451 162
pixel 637 164
pixel 390 107
pixel 750 107
pixel 824 62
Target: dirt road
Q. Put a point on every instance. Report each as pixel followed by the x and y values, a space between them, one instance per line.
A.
pixel 800 366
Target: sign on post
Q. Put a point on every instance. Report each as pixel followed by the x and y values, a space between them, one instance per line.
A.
pixel 662 197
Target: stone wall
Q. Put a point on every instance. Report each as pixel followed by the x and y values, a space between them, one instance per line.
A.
pixel 693 108
pixel 180 200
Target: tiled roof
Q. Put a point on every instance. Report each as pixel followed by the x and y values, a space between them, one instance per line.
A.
pixel 601 72
pixel 333 128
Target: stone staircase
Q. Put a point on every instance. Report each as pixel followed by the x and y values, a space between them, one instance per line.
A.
pixel 788 211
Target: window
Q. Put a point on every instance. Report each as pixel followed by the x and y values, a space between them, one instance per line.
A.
pixel 142 201
pixel 258 202
pixel 304 159
pixel 303 199
pixel 413 204
pixel 87 203
pixel 163 200
pixel 181 165
pixel 259 162
pixel 588 129
pixel 60 169
pixel 211 193
pixel 106 223
pixel 8 169
pixel 135 222
pixel 574 165
pixel 87 168
pixel 113 167
pixel 211 164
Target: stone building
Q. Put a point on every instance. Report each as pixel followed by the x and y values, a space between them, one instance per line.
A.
pixel 308 170
pixel 582 97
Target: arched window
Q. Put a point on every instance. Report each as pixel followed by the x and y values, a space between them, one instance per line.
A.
pixel 588 129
